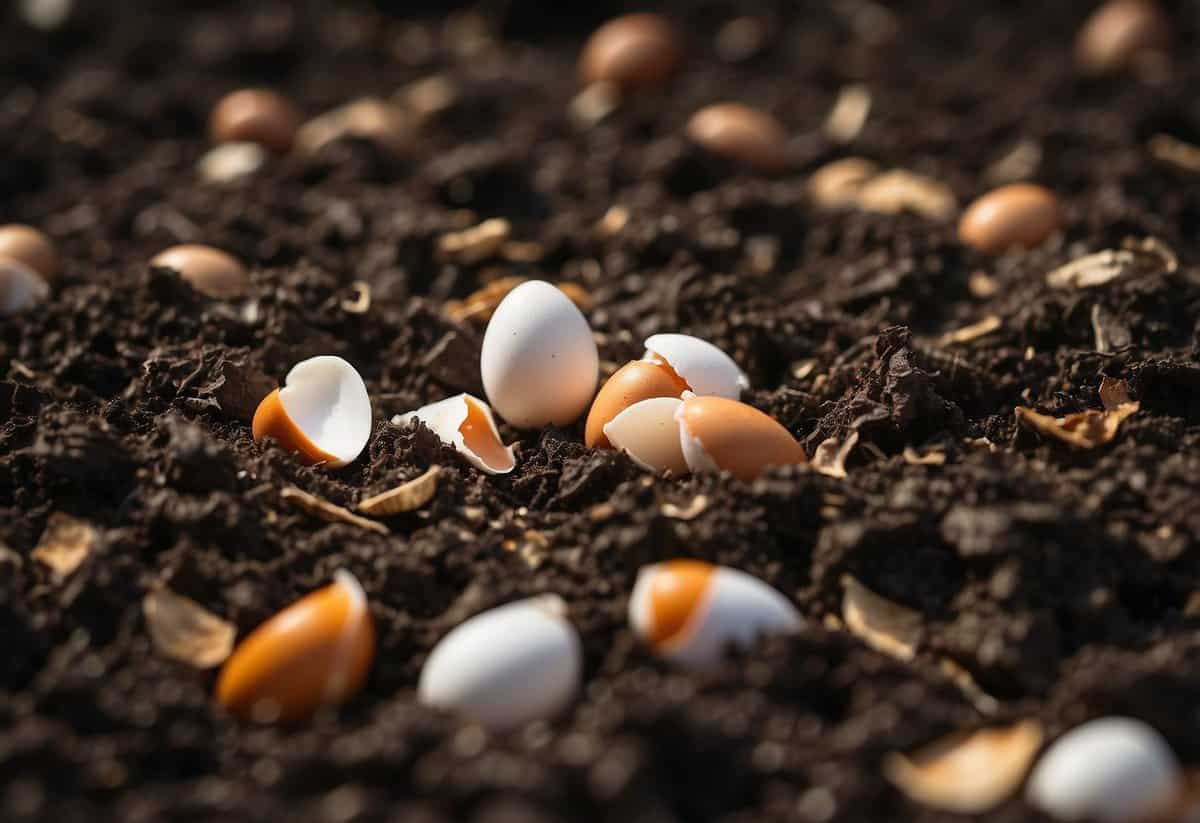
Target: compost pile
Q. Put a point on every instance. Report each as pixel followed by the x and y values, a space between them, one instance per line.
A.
pixel 1004 451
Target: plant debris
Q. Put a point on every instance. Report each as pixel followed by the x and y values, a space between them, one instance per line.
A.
pixel 65 544
pixel 476 244
pixel 328 511
pixel 691 511
pixel 974 331
pixel 849 114
pixel 184 630
pixel 406 497
pixel 1086 430
pixel 829 458
pixel 931 458
pixel 883 625
pixel 900 190
pixel 1137 259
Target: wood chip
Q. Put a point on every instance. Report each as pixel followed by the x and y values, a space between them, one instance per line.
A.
pixel 65 544
pixel 475 244
pixel 849 114
pixel 974 331
pixel 328 511
pixel 1173 152
pixel 689 512
pixel 362 301
pixel 984 703
pixel 1085 430
pixel 968 773
pixel 184 630
pixel 406 497
pixel 830 456
pixel 915 458
pixel 883 625
pixel 837 184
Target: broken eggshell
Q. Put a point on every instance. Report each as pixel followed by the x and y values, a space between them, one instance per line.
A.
pixel 466 423
pixel 648 432
pixel 636 381
pixel 689 612
pixel 506 667
pixel 719 434
pixel 21 287
pixel 702 366
pixel 322 413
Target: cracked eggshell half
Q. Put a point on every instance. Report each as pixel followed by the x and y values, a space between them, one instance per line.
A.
pixel 21 287
pixel 633 383
pixel 539 361
pixel 1111 769
pixel 702 366
pixel 322 413
pixel 690 612
pixel 466 423
pixel 719 434
pixel 314 653
pixel 506 667
pixel 648 432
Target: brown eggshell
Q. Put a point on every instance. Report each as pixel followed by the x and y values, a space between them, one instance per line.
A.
pixel 1018 215
pixel 674 597
pixel 27 245
pixel 635 381
pixel 271 420
pixel 737 437
pixel 1118 33
pixel 314 653
pixel 633 52
pixel 745 135
pixel 210 271
pixel 255 116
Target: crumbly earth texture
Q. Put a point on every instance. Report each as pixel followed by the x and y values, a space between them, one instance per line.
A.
pixel 1061 579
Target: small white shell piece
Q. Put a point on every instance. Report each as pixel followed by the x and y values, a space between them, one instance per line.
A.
pixel 446 418
pixel 694 456
pixel 736 610
pixel 1111 769
pixel 703 366
pixel 508 666
pixel 21 287
pixel 648 432
pixel 327 400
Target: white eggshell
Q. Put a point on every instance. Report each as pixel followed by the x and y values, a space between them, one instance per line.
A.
pixel 446 417
pixel 327 399
pixel 648 433
pixel 21 287
pixel 1111 769
pixel 736 610
pixel 539 362
pixel 703 366
pixel 697 459
pixel 506 667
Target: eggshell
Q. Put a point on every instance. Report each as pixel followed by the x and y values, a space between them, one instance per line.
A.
pixel 1111 769
pixel 648 432
pixel 719 434
pixel 506 667
pixel 539 361
pixel 466 423
pixel 314 653
pixel 690 612
pixel 704 367
pixel 322 413
pixel 635 381
pixel 21 287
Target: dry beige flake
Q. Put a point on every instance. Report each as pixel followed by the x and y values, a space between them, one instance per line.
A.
pixel 691 511
pixel 829 458
pixel 406 497
pixel 65 544
pixel 914 458
pixel 883 625
pixel 184 630
pixel 328 511
pixel 369 118
pixel 1086 429
pixel 837 184
pixel 974 331
pixel 475 244
pixel 849 114
pixel 480 305
pixel 901 190
pixel 362 299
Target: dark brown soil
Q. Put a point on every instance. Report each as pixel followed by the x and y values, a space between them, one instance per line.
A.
pixel 1060 578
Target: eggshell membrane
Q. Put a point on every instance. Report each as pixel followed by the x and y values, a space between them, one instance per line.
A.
pixel 323 412
pixel 466 423
pixel 314 653
pixel 506 667
pixel 648 432
pixel 717 433
pixel 727 608
pixel 635 381
pixel 702 366
pixel 21 287
pixel 539 362
pixel 1110 769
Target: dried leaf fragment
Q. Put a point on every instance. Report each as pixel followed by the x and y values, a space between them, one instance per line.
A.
pixel 984 703
pixel 406 497
pixel 475 244
pixel 480 305
pixel 901 190
pixel 1137 257
pixel 883 625
pixel 184 630
pixel 974 331
pixel 829 458
pixel 849 113
pixel 1086 429
pixel 1114 393
pixel 968 774
pixel 65 544
pixel 328 511
pixel 914 458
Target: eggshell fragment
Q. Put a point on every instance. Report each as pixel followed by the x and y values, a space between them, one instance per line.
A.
pixel 210 271
pixel 691 612
pixel 634 382
pixel 27 245
pixel 314 653
pixel 704 367
pixel 506 667
pixel 21 288
pixel 648 432
pixel 539 362
pixel 322 413
pixel 1111 769
pixel 719 434
pixel 466 423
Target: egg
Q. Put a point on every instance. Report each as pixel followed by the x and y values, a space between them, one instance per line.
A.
pixel 539 362
pixel 719 434
pixel 690 612
pixel 210 271
pixel 635 381
pixel 322 413
pixel 702 366
pixel 648 432
pixel 314 653
pixel 466 423
pixel 21 288
pixel 506 667
pixel 1111 769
